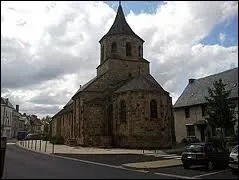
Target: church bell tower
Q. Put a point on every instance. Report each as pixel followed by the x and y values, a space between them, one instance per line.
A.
pixel 120 43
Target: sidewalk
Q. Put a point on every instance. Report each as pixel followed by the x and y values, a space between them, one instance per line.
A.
pixel 43 146
pixel 47 148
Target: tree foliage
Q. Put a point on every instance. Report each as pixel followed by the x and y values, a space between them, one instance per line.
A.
pixel 220 108
pixel 46 120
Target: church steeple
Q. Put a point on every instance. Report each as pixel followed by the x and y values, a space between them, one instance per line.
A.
pixel 119 46
pixel 120 26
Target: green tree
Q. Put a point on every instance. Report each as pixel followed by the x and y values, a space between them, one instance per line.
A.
pixel 46 120
pixel 220 109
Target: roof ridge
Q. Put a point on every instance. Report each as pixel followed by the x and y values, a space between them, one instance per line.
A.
pixel 217 73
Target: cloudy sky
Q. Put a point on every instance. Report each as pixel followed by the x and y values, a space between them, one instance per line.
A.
pixel 49 49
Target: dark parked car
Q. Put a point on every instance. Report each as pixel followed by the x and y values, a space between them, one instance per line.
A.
pixel 208 154
pixel 33 137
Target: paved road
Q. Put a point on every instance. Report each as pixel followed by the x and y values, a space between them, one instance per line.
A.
pixel 113 159
pixel 24 164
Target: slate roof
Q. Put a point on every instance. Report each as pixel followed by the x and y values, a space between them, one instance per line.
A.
pixel 85 86
pixel 195 92
pixel 120 26
pixel 142 82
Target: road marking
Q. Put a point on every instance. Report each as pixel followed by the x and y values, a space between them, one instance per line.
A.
pixel 175 176
pixel 143 171
pixel 85 161
pixel 209 174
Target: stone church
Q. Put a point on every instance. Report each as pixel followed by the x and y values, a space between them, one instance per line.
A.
pixel 123 106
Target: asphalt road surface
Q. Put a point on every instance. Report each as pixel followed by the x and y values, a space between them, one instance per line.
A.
pixel 24 164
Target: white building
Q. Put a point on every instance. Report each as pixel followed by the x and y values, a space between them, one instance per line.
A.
pixel 190 108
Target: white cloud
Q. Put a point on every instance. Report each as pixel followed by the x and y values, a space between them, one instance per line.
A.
pixel 50 48
pixel 222 37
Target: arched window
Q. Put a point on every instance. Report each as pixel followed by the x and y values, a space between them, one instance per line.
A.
pixel 110 119
pixel 139 51
pixel 128 49
pixel 102 53
pixel 122 111
pixel 113 47
pixel 153 109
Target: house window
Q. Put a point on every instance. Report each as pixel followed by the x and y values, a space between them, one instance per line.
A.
pixel 187 112
pixel 203 107
pixel 113 47
pixel 190 130
pixel 128 49
pixel 153 109
pixel 123 111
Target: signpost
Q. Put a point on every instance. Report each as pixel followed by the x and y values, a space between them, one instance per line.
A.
pixel 3 150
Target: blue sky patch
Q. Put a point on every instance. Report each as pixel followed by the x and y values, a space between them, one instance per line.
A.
pixel 228 29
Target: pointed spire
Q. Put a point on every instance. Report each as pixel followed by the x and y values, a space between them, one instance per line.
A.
pixel 120 25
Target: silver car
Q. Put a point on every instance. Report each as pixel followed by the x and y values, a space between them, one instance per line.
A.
pixel 233 161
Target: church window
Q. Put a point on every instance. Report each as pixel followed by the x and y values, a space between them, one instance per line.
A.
pixel 113 47
pixel 153 109
pixel 128 49
pixel 122 111
pixel 110 118
pixel 139 51
pixel 102 53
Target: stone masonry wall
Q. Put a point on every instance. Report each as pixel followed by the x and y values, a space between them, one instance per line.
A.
pixel 140 129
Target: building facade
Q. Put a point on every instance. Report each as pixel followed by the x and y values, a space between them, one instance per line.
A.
pixel 7 110
pixel 190 108
pixel 123 106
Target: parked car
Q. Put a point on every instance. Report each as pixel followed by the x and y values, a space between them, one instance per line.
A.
pixel 207 154
pixel 233 161
pixel 32 137
pixel 21 135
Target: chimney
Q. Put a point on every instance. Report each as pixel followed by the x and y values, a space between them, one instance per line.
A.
pixel 80 86
pixel 17 108
pixel 191 81
pixel 7 101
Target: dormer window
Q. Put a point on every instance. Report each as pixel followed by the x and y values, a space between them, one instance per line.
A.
pixel 128 49
pixel 113 48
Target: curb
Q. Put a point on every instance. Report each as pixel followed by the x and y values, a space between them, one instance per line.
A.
pixel 153 164
pixel 147 168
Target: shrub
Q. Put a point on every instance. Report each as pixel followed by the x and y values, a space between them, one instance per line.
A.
pixel 189 140
pixel 57 140
pixel 46 137
pixel 184 141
